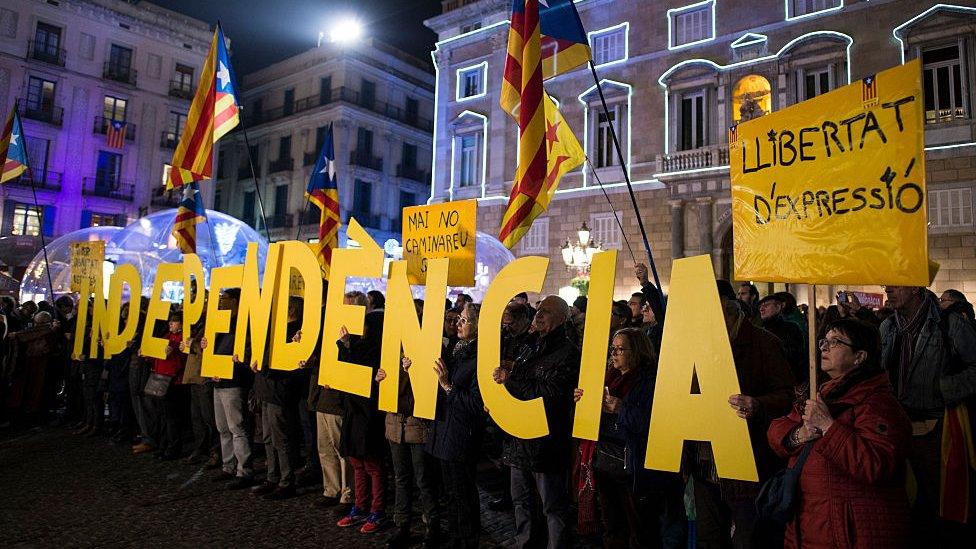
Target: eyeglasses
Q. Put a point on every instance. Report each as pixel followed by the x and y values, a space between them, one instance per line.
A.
pixel 461 320
pixel 614 350
pixel 825 344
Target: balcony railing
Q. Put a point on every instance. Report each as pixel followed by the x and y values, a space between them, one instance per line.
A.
pixel 166 199
pixel 120 73
pixel 45 53
pixel 366 219
pixel 43 180
pixel 168 140
pixel 411 172
pixel 365 160
pixel 39 111
pixel 183 90
pixel 309 159
pixel 707 157
pixel 346 95
pixel 281 221
pixel 281 165
pixel 107 187
pixel 101 126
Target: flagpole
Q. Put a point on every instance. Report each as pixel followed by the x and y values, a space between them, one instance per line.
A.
pixel 40 211
pixel 630 188
pixel 301 220
pixel 254 175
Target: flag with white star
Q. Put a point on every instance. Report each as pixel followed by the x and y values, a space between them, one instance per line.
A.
pixel 213 113
pixel 13 154
pixel 323 191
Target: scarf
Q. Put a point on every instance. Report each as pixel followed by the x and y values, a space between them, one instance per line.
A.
pixel 906 337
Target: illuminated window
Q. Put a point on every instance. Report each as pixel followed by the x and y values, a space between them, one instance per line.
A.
pixel 604 230
pixel 471 81
pixel 536 240
pixel 751 98
pixel 692 120
pixel 468 160
pixel 26 220
pixel 603 144
pixel 114 108
pixel 800 8
pixel 103 220
pixel 609 45
pixel 815 82
pixel 943 80
pixel 691 24
pixel 166 170
pixel 951 209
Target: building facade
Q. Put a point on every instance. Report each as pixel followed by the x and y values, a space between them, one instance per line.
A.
pixel 676 75
pixel 380 102
pixel 74 67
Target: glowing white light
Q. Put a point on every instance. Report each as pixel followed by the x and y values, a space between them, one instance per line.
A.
pixel 346 31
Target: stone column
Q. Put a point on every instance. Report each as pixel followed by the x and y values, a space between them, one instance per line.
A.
pixel 677 228
pixel 706 244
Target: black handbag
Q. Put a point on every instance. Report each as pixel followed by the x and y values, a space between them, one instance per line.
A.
pixel 611 460
pixel 778 495
pixel 157 385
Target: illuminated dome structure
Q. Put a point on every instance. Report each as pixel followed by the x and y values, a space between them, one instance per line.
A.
pixel 34 286
pixel 146 243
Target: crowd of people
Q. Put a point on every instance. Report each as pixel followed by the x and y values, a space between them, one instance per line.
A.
pixel 870 449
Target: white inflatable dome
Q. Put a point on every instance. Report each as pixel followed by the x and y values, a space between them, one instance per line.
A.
pixel 34 286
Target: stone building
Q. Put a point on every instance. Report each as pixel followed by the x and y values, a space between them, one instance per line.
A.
pixel 73 67
pixel 676 75
pixel 380 102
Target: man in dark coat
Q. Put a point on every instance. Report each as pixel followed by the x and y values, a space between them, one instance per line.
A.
pixel 547 368
pixel 789 334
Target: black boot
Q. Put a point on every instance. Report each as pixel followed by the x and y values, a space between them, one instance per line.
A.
pixel 432 534
pixel 400 538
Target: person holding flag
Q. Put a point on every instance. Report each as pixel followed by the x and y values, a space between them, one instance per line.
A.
pixel 213 113
pixel 323 191
pixel 542 43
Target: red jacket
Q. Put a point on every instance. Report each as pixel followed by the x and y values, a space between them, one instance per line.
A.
pixel 175 363
pixel 852 488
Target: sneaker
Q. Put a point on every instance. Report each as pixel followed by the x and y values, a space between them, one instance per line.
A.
pixel 374 521
pixel 141 448
pixel 263 489
pixel 241 483
pixel 354 517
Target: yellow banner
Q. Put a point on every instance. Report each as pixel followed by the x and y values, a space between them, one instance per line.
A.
pixel 441 230
pixel 86 265
pixel 832 190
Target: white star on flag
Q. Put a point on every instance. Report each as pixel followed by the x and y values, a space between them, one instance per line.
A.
pixel 223 75
pixel 544 3
pixel 329 168
pixel 13 139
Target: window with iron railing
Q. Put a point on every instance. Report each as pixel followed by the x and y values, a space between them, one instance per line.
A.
pixel 945 87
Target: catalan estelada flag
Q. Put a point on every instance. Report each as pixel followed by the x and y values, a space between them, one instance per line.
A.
pixel 563 45
pixel 869 89
pixel 547 146
pixel 958 464
pixel 188 214
pixel 13 152
pixel 213 113
pixel 323 191
pixel 115 133
pixel 530 197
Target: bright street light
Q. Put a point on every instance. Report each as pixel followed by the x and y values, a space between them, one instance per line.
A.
pixel 346 31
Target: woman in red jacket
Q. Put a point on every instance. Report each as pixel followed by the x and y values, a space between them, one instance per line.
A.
pixel 852 488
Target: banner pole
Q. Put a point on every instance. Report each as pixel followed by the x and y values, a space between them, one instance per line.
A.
pixel 812 337
pixel 301 219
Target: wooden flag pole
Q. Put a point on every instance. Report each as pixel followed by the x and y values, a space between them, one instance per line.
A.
pixel 812 337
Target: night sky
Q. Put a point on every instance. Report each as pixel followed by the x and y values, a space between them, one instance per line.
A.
pixel 263 32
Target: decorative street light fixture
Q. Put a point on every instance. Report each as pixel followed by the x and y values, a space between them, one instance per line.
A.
pixel 579 256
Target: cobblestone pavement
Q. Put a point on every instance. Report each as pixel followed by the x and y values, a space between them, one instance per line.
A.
pixel 60 490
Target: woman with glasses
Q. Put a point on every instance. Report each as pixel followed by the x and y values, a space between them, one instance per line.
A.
pixel 455 435
pixel 851 491
pixel 638 506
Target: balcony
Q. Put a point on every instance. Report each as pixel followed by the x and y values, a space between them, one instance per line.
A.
pixel 183 90
pixel 244 172
pixel 412 173
pixel 168 140
pixel 366 160
pixel 45 53
pixel 714 156
pixel 101 126
pixel 346 95
pixel 281 165
pixel 309 159
pixel 119 73
pixel 166 199
pixel 281 221
pixel 105 186
pixel 41 112
pixel 43 180
pixel 365 219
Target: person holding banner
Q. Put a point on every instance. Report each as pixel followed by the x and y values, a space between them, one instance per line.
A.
pixel 851 488
pixel 930 356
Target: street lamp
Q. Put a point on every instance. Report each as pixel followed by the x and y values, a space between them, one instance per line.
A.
pixel 346 31
pixel 579 256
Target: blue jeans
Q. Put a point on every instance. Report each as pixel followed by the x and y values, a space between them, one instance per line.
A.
pixel 554 493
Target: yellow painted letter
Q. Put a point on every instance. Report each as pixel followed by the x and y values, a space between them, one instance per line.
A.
pixel 155 347
pixel 593 365
pixel 218 322
pixel 285 355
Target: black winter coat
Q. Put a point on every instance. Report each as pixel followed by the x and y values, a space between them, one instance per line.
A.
pixel 459 423
pixel 362 423
pixel 547 368
pixel 280 387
